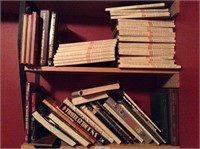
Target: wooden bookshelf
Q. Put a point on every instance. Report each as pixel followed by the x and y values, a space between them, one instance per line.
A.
pixel 170 77
pixel 46 69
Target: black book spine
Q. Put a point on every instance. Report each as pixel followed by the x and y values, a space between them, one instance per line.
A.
pixel 75 117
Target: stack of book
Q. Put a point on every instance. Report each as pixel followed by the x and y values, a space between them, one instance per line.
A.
pixel 146 36
pixel 85 52
pixel 102 114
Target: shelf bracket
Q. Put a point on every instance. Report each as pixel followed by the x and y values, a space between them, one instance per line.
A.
pixel 169 81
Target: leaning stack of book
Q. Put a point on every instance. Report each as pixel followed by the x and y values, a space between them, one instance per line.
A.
pixel 102 114
pixel 146 36
pixel 85 52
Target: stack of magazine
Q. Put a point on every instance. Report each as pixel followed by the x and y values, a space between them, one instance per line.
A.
pixel 85 52
pixel 146 35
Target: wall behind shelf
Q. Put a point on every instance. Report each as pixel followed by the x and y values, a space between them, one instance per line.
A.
pixel 12 131
pixel 187 28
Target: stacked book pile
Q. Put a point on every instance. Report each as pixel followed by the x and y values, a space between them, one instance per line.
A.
pixel 85 52
pixel 146 36
pixel 102 114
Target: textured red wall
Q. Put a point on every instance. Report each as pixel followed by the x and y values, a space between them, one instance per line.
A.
pixel 12 129
pixel 188 56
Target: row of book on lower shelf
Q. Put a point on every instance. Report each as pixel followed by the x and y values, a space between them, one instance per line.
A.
pixel 143 37
pixel 102 114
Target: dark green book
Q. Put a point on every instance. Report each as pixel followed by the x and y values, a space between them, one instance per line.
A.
pixel 160 113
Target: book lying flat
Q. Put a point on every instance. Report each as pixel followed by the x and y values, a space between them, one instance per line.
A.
pixel 89 98
pixel 93 90
pixel 147 23
pixel 155 5
pixel 163 15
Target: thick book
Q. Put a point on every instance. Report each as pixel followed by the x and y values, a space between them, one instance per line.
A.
pixel 34 38
pixel 173 109
pixel 89 98
pixel 24 36
pixel 41 115
pixel 127 120
pixel 97 89
pixel 160 113
pixel 45 15
pixel 54 106
pixel 103 137
pixel 90 112
pixel 28 39
pixel 68 129
pixel 53 37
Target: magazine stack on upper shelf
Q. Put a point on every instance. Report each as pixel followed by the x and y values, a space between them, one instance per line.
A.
pixel 146 36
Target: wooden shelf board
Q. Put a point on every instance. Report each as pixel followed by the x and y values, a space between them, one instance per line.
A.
pixel 45 69
pixel 112 146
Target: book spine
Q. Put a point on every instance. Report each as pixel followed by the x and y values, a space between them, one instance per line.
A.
pixel 34 38
pixel 28 39
pixel 83 123
pixel 28 113
pixel 52 37
pixel 45 15
pixel 173 116
pixel 24 36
